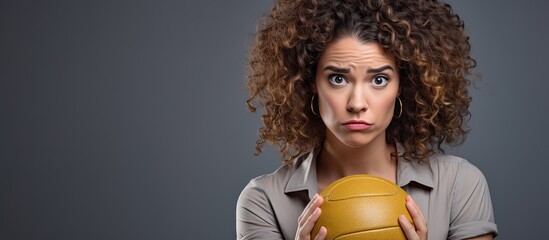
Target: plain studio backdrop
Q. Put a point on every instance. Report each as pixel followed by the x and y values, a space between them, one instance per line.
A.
pixel 126 119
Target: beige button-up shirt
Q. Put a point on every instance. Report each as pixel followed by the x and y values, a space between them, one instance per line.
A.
pixel 452 193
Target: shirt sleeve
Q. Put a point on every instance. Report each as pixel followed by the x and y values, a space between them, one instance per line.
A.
pixel 471 214
pixel 255 217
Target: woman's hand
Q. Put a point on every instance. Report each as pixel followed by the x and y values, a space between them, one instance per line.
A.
pixel 417 231
pixel 307 220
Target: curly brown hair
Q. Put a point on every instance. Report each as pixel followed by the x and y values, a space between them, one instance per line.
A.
pixel 426 38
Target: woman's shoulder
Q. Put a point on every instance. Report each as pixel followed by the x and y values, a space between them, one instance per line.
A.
pixel 438 168
pixel 464 186
pixel 255 211
pixel 274 178
pixel 272 182
pixel 455 171
pixel 265 207
pixel 449 163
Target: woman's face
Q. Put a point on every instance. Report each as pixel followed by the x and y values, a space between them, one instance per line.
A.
pixel 357 85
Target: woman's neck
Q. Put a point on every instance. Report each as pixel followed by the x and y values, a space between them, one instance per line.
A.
pixel 337 160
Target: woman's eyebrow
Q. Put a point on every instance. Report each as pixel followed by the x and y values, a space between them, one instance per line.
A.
pixel 380 69
pixel 338 70
pixel 347 70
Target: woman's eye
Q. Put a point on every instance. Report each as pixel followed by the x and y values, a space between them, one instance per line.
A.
pixel 380 81
pixel 337 80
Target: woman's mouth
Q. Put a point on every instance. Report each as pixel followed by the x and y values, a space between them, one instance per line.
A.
pixel 357 125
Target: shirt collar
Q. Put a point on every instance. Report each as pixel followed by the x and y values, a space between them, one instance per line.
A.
pixel 304 176
pixel 413 171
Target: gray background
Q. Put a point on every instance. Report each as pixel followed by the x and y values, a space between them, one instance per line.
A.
pixel 126 119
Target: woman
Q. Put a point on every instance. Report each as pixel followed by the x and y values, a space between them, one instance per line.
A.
pixel 363 87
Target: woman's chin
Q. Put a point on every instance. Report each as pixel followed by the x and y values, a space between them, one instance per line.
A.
pixel 356 143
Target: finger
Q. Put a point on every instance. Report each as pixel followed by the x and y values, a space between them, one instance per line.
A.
pixel 310 208
pixel 304 230
pixel 417 216
pixel 321 234
pixel 307 211
pixel 408 228
pixel 307 227
pixel 413 207
pixel 414 204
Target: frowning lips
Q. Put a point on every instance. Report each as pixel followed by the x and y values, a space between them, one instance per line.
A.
pixel 357 125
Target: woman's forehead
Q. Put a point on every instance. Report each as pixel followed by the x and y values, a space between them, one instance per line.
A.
pixel 349 50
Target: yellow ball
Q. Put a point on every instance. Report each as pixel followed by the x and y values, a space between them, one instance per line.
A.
pixel 362 207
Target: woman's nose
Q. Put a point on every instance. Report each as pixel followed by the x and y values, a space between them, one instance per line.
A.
pixel 357 101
